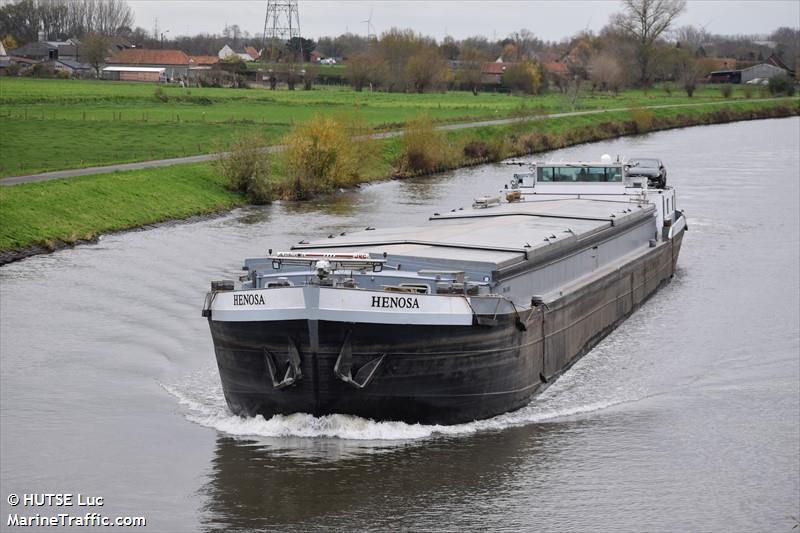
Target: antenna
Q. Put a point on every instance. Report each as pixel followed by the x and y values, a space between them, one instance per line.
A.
pixel 282 23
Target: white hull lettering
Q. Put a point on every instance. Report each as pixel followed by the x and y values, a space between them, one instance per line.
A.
pixel 248 299
pixel 395 302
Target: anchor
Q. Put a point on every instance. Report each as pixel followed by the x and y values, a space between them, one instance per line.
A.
pixel 293 371
pixel 344 366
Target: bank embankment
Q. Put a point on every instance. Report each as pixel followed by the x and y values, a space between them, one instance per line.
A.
pixel 42 217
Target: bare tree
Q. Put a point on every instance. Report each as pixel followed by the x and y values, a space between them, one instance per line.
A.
pixel 469 76
pixel 424 69
pixel 645 21
pixel 691 71
pixel 692 38
pixel 310 75
pixel 359 70
pixel 606 72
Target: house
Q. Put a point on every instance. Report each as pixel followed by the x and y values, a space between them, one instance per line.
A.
pixel 556 69
pixel 118 43
pixel 5 61
pixel 248 53
pixel 314 56
pixel 203 61
pixel 174 62
pixel 252 52
pixel 778 62
pixel 198 64
pixel 492 73
pixel 720 63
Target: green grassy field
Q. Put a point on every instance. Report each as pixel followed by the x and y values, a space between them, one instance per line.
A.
pixel 59 124
pixel 81 208
pixel 42 214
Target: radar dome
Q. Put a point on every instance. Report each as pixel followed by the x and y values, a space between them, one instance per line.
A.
pixel 605 158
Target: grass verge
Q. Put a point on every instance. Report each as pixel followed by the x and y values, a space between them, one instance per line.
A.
pixel 50 214
pixel 54 213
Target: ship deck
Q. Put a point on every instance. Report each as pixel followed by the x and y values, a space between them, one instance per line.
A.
pixel 491 238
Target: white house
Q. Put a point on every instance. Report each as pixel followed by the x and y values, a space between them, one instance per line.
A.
pixel 248 53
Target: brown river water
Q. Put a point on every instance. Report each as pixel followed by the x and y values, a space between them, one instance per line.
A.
pixel 686 418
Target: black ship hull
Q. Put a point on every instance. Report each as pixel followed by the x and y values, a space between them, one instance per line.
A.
pixel 432 374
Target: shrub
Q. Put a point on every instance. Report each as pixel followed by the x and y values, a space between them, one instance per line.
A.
pixel 782 84
pixel 748 91
pixel 247 168
pixel 160 95
pixel 423 148
pixel 499 148
pixel 524 77
pixel 643 118
pixel 476 150
pixel 322 154
pixel 668 89
pixel 726 90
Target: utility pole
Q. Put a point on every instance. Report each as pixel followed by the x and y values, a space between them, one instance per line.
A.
pixel 281 24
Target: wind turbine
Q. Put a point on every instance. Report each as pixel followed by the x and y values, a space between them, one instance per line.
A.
pixel 368 22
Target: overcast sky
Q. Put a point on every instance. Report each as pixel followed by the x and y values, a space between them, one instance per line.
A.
pixel 548 20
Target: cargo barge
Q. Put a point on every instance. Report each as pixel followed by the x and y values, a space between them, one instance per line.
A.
pixel 462 318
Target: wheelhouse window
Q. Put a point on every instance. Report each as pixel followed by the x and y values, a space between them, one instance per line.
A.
pixel 585 174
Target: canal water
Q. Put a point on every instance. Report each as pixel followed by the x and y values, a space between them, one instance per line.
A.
pixel 686 418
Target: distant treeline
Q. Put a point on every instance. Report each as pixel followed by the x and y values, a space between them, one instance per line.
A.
pixel 638 46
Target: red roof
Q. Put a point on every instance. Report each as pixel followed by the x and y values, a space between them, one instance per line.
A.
pixel 555 67
pixel 204 60
pixel 252 51
pixel 493 68
pixel 143 56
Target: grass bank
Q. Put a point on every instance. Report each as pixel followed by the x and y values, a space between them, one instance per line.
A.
pixel 51 214
pixel 63 212
pixel 62 124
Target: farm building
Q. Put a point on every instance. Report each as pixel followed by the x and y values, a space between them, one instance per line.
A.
pixel 44 50
pixel 127 73
pixel 174 62
pixel 762 70
pixel 72 66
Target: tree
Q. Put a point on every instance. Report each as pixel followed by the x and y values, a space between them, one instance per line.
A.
pixel 309 76
pixel 393 50
pixel 94 49
pixel 9 43
pixel 606 72
pixel 424 69
pixel 691 38
pixel 360 70
pixel 295 45
pixel 469 76
pixel 691 71
pixel 787 46
pixel 60 19
pixel 524 77
pixel 645 21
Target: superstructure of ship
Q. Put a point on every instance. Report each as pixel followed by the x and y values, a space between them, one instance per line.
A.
pixel 466 316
